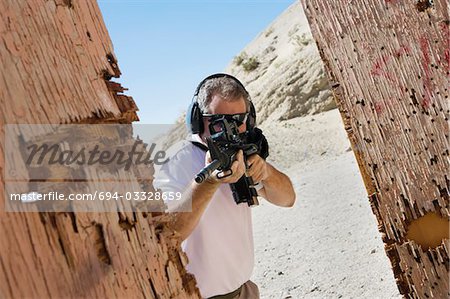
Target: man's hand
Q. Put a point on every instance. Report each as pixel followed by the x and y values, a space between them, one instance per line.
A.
pixel 277 187
pixel 237 170
pixel 258 169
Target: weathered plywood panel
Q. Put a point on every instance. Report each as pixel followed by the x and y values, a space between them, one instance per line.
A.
pixel 62 44
pixel 56 62
pixel 388 63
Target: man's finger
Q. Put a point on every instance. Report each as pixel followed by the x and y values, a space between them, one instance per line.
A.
pixel 251 172
pixel 240 156
pixel 256 175
pixel 251 159
pixel 256 165
pixel 235 166
pixel 241 169
pixel 257 178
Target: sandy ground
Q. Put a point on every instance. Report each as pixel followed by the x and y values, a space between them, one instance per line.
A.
pixel 327 245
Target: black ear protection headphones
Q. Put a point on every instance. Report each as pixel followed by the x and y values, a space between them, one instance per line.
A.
pixel 194 117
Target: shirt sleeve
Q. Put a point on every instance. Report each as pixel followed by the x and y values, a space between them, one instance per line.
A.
pixel 172 176
pixel 175 175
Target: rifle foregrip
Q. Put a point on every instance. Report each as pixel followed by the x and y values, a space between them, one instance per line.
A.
pixel 206 171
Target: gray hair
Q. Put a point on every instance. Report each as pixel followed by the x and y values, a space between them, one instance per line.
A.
pixel 226 88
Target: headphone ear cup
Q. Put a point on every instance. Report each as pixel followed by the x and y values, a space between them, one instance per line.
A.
pixel 251 121
pixel 194 120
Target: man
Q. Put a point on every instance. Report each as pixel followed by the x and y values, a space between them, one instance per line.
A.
pixel 217 234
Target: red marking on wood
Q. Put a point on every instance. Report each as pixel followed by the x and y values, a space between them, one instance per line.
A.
pixel 379 107
pixel 378 68
pixel 424 47
pixel 446 32
pixel 404 49
pixel 447 59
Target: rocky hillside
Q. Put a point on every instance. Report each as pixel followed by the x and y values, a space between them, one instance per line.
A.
pixel 282 70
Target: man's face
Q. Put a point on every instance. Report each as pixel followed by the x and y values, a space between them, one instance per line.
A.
pixel 220 106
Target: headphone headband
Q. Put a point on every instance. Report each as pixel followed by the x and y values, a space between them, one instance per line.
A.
pixel 219 75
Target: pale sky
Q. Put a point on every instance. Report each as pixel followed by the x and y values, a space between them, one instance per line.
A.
pixel 165 48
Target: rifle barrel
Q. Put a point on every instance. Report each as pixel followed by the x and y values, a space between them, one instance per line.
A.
pixel 206 171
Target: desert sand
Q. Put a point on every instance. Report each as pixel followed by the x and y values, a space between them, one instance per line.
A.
pixel 328 244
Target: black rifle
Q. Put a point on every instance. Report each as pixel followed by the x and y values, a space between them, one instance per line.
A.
pixel 223 144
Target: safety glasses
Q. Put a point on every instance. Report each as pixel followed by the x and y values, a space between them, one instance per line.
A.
pixel 239 118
